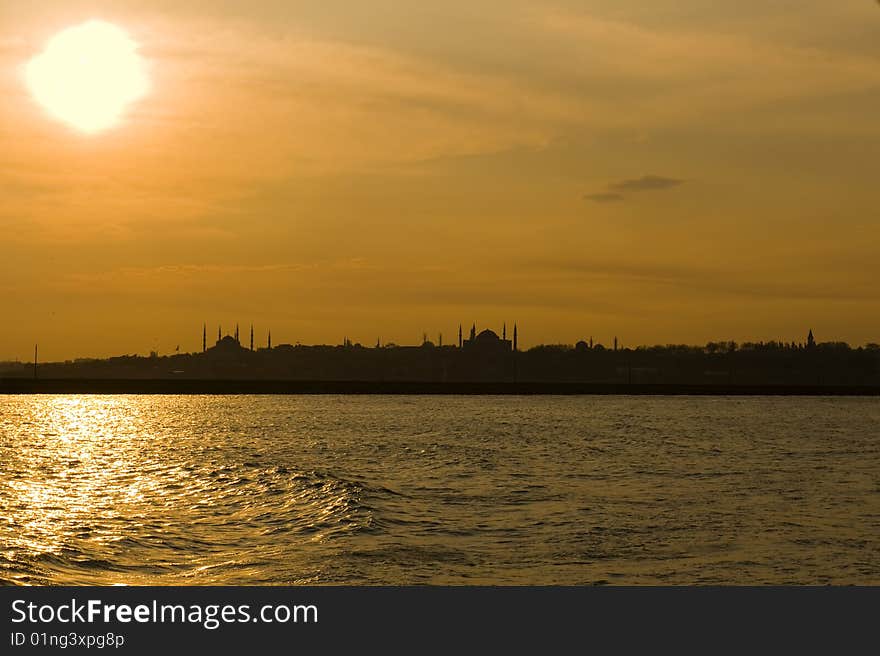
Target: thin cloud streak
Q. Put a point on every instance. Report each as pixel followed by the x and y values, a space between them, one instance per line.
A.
pixel 712 281
pixel 645 183
pixel 604 198
pixel 616 190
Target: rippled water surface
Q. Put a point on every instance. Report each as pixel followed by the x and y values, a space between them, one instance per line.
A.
pixel 440 490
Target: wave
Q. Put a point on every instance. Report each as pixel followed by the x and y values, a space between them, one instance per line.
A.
pixel 200 526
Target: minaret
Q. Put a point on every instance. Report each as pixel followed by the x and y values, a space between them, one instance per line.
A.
pixel 219 335
pixel 459 335
pixel 269 342
pixel 615 343
pixel 204 337
pixel 504 331
pixel 474 331
pixel 591 341
pixel 440 340
pixel 514 337
pixel 236 335
pixel 252 337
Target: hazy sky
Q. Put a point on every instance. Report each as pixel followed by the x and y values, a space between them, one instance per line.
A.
pixel 664 171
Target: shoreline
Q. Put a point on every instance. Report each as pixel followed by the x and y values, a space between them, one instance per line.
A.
pixel 17 386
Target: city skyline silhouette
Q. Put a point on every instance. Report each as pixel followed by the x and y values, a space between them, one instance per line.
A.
pixel 484 356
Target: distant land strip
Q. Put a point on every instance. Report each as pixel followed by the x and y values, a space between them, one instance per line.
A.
pixel 282 387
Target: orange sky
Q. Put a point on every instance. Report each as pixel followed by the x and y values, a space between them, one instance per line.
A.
pixel 678 173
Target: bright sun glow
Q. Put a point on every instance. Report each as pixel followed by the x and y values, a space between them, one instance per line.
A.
pixel 88 75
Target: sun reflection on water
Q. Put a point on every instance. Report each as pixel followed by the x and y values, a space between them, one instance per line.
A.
pixel 145 489
pixel 84 490
pixel 74 479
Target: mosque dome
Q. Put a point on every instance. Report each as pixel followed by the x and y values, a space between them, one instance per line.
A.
pixel 488 336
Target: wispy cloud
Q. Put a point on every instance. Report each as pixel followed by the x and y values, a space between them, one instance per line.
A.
pixel 615 190
pixel 326 105
pixel 645 183
pixel 711 281
pixel 682 75
pixel 604 197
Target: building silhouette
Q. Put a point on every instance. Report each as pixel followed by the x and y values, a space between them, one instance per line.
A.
pixel 487 342
pixel 486 356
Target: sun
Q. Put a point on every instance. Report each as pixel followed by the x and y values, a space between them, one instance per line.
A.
pixel 88 75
